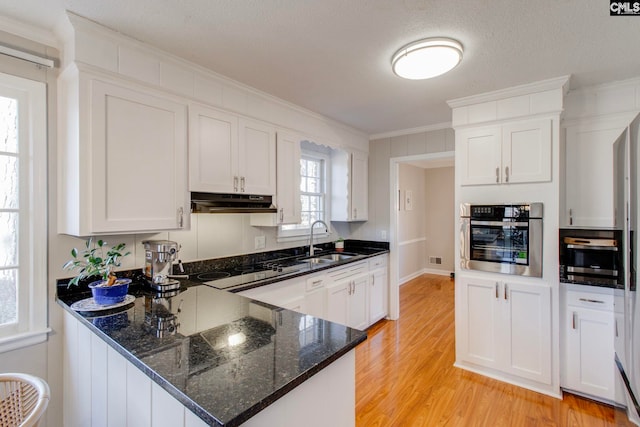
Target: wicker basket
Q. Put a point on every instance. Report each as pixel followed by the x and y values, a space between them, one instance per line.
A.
pixel 23 400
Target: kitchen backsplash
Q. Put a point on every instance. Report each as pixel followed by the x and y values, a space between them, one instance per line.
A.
pixel 210 236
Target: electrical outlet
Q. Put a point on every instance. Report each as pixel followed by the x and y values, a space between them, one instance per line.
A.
pixel 383 234
pixel 260 242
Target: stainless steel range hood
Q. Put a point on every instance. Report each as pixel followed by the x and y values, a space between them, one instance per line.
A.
pixel 230 203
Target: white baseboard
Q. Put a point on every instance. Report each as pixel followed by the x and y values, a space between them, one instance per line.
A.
pixel 419 273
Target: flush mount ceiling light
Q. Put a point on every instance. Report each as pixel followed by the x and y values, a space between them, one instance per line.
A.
pixel 426 58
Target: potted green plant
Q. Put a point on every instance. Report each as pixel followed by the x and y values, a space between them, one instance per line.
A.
pixel 97 260
pixel 339 244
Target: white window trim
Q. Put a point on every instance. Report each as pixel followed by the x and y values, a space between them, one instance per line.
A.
pixel 31 327
pixel 304 234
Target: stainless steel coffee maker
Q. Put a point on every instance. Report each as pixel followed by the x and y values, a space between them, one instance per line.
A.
pixel 159 256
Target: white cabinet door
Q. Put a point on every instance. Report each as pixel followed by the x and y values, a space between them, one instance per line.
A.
pixel 378 295
pixel 589 174
pixel 349 186
pixel 479 312
pixel 480 155
pixel 338 302
pixel 513 153
pixel 359 186
pixel 230 154
pixel 288 179
pixel 589 366
pixel 526 151
pixel 358 315
pixel 505 326
pixel 123 156
pixel 213 150
pixel 257 157
pixel 528 331
pixel 314 303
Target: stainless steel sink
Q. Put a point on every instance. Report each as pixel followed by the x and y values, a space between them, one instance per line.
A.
pixel 319 260
pixel 328 258
pixel 336 257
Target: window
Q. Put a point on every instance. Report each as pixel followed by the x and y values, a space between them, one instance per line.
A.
pixel 313 195
pixel 23 207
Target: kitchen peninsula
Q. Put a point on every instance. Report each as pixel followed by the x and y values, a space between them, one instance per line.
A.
pixel 204 356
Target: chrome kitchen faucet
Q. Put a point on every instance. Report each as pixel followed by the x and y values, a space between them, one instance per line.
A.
pixel 326 227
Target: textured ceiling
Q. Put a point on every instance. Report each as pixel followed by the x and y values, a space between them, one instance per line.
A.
pixel 333 56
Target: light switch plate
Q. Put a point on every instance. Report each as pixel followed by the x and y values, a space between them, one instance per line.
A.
pixel 260 242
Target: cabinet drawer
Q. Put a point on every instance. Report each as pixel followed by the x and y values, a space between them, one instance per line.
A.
pixel 594 301
pixel 316 282
pixel 351 270
pixel 378 262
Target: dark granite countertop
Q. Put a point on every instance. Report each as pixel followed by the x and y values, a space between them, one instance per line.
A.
pixel 292 259
pixel 224 356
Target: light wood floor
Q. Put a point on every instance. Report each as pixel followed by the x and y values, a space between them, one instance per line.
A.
pixel 405 376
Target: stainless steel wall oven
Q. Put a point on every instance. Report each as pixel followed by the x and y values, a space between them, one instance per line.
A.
pixel 504 238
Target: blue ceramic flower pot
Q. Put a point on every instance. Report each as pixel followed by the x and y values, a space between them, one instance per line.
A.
pixel 109 295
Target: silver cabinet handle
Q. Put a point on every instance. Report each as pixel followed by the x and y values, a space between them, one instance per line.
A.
pixel 180 217
pixel 595 301
pixel 242 184
pixel 355 213
pixel 506 174
pixel 235 183
pixel 505 292
pixel 570 216
pixel 616 327
pixel 573 320
pixel 281 214
pixel 497 174
pixel 497 287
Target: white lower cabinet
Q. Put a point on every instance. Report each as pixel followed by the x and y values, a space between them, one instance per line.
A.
pixel 505 326
pixel 347 296
pixel 347 302
pixel 378 288
pixel 588 342
pixel 354 295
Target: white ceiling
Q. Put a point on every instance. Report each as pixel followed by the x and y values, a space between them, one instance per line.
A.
pixel 333 56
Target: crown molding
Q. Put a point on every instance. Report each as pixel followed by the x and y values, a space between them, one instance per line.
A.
pixel 411 131
pixel 29 32
pixel 526 89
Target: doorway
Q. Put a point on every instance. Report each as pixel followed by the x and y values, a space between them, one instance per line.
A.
pixel 407 207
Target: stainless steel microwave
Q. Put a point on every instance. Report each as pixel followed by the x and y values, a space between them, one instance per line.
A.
pixel 504 238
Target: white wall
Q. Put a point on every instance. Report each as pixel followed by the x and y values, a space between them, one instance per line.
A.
pixel 440 218
pixel 411 222
pixel 382 148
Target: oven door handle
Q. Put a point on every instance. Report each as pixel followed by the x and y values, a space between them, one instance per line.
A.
pixel 500 223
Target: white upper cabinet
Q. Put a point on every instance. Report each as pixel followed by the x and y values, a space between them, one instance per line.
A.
pixel 230 154
pixel 350 186
pixel 516 152
pixel 122 157
pixel 589 173
pixel 288 179
pixel 481 155
pixel 526 151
